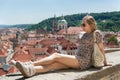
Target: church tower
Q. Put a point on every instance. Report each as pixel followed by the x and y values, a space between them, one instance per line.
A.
pixel 62 23
pixel 54 25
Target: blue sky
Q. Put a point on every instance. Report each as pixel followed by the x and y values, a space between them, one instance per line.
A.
pixel 34 11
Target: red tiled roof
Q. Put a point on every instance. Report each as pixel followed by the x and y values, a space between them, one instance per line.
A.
pixel 22 57
pixel 20 51
pixel 55 36
pixel 12 35
pixel 37 50
pixel 2 72
pixel 3 53
pixel 5 47
pixel 48 42
pixel 1 45
pixel 10 43
pixel 71 30
pixel 7 44
pixel 63 31
pixel 11 70
pixel 48 50
pixel 69 46
pixel 31 42
pixel 33 52
pixel 39 57
pixel 51 50
pixel 62 40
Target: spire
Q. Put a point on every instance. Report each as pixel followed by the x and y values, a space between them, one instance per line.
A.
pixel 54 16
pixel 54 29
pixel 62 17
pixel 88 14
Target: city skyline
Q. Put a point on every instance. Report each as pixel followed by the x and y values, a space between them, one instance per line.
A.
pixel 34 11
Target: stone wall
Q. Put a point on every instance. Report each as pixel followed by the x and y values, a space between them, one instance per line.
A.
pixel 111 73
pixel 113 76
pixel 106 73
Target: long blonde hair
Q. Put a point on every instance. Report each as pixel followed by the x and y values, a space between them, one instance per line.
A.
pixel 91 21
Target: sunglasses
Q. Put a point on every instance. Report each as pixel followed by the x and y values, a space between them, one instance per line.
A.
pixel 83 25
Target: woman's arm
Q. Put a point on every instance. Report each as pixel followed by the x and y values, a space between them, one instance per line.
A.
pixel 101 47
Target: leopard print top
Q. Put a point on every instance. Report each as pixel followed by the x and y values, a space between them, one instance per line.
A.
pixel 85 49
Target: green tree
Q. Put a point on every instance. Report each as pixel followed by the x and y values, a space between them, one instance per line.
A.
pixel 107 21
pixel 113 39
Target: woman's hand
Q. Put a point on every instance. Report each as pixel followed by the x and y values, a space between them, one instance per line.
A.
pixel 106 64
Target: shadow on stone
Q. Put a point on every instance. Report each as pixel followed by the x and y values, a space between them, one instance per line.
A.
pixel 61 72
pixel 22 78
pixel 95 69
pixel 12 75
pixel 9 75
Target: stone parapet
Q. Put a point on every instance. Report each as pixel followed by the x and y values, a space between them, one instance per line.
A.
pixel 106 73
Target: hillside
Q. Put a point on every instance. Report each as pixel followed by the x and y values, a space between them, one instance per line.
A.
pixel 107 21
pixel 16 26
pixel 4 26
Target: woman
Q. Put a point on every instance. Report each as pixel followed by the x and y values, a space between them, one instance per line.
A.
pixel 82 60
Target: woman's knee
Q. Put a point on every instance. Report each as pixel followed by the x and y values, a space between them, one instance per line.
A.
pixel 56 56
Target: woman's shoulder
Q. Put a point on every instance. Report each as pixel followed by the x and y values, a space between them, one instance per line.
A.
pixel 97 32
pixel 99 36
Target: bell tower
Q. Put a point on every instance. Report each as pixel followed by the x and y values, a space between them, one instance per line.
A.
pixel 54 25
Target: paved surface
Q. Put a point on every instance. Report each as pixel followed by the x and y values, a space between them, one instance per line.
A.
pixel 113 57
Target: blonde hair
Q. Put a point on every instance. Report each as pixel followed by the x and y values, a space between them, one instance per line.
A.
pixel 91 21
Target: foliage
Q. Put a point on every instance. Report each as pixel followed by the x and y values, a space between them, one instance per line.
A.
pixel 107 21
pixel 113 39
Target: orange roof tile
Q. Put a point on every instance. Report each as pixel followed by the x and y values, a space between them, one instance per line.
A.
pixel 31 42
pixel 12 35
pixel 2 72
pixel 22 57
pixel 11 70
pixel 3 53
pixel 69 46
pixel 37 50
pixel 51 50
pixel 62 40
pixel 71 30
pixel 33 51
pixel 48 42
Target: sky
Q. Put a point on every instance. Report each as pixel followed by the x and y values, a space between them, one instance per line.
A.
pixel 33 11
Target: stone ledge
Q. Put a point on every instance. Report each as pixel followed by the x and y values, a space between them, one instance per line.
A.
pixel 107 73
pixel 108 50
pixel 99 75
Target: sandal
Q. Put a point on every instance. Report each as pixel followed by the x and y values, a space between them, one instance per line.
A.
pixel 27 69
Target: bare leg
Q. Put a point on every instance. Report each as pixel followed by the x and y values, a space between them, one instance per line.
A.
pixel 59 62
pixel 46 60
pixel 52 67
pixel 67 60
